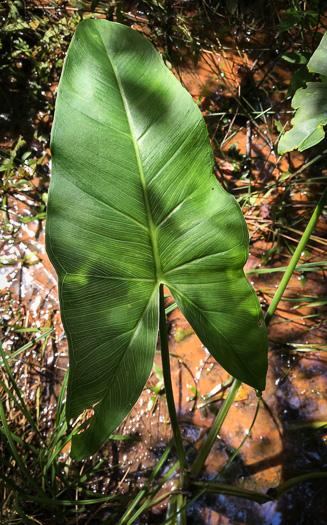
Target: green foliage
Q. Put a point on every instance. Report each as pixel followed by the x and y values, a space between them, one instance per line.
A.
pixel 33 41
pixel 181 334
pixel 134 203
pixel 302 75
pixel 311 105
pixel 35 473
pixel 17 168
pixel 295 16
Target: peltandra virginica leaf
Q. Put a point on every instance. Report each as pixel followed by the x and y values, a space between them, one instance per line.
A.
pixel 134 203
pixel 311 105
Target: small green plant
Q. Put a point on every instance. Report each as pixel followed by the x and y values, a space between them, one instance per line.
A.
pixel 311 105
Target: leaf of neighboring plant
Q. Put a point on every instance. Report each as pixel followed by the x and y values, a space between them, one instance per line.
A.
pixel 289 19
pixel 279 126
pixel 294 57
pixel 134 203
pixel 158 372
pixel 317 63
pixel 311 116
pixel 311 106
pixel 299 80
pixel 301 76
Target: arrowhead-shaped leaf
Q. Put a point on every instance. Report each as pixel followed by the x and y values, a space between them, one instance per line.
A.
pixel 311 106
pixel 134 203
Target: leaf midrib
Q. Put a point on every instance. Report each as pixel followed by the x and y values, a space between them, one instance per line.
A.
pixel 151 225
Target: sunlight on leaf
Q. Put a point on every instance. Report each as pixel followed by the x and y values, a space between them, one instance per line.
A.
pixel 133 203
pixel 311 105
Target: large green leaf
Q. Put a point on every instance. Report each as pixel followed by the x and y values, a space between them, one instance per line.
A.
pixel 134 203
pixel 311 105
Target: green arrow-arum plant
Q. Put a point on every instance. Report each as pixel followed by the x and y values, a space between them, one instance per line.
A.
pixel 134 205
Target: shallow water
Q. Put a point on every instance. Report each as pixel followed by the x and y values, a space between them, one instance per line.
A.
pixel 279 447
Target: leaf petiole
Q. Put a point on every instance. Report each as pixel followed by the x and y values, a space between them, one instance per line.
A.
pixel 169 389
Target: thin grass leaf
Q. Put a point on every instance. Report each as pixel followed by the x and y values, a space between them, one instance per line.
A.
pixel 304 267
pixel 20 401
pixel 144 490
pixel 151 496
pixel 17 456
pixel 25 347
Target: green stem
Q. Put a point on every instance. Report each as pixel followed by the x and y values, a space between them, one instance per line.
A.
pixel 148 501
pixel 142 493
pixel 176 510
pixel 222 488
pixel 296 257
pixel 169 388
pixel 215 428
pixel 181 509
pixel 231 459
pixel 278 491
pixel 162 497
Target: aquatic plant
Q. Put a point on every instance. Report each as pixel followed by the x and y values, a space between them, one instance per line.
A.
pixel 134 207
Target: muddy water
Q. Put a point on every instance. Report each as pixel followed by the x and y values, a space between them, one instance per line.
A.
pixel 283 443
pixel 279 447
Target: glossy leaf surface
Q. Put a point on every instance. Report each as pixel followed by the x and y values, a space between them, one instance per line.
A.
pixel 134 203
pixel 311 105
